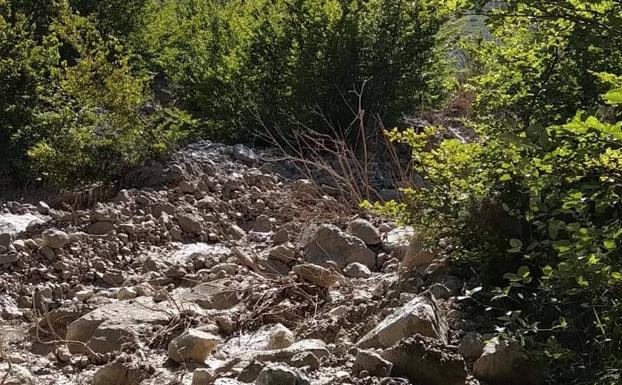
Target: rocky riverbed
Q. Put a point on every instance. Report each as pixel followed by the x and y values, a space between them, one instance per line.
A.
pixel 216 269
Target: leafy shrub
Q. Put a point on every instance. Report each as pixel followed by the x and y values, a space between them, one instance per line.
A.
pixel 241 64
pixel 562 267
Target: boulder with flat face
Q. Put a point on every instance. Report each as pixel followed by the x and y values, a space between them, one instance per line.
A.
pixel 426 361
pixel 506 363
pixel 108 327
pixel 419 316
pixel 326 243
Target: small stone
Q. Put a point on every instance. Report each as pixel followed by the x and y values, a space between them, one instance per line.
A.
pixel 192 346
pixel 43 208
pixel 202 376
pixel 55 239
pixel 307 359
pixel 364 230
pixel 84 295
pixel 280 375
pixel 126 293
pixel 284 253
pixel 316 275
pixel 281 236
pixel 100 228
pixel 189 223
pixel 356 270
pixel 472 346
pixel 225 323
pixel 280 337
pixel 48 253
pixel 251 371
pixel 262 224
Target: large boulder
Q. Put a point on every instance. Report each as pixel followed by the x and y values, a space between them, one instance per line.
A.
pixel 326 243
pixel 506 363
pixel 108 327
pixel 365 231
pixel 55 239
pixel 419 316
pixel 426 361
pixel 192 346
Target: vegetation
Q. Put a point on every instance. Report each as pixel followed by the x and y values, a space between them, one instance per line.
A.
pixel 532 203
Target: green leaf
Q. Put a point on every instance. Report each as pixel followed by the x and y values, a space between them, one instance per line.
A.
pixel 523 271
pixel 609 244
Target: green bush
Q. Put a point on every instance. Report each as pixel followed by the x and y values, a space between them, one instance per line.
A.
pixel 71 104
pixel 555 284
pixel 241 64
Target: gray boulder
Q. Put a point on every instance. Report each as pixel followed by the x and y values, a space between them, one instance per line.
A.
pixel 419 316
pixel 365 231
pixel 426 361
pixel 326 243
pixel 506 363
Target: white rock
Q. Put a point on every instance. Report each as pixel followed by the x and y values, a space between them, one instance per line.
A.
pixel 126 293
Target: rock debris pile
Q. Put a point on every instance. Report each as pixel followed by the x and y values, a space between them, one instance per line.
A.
pixel 217 270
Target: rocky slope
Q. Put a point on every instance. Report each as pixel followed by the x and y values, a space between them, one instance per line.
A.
pixel 218 270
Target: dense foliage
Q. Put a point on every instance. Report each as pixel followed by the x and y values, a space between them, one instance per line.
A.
pixel 91 87
pixel 533 204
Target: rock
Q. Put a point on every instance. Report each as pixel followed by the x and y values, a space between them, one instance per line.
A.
pixel 397 241
pixel 6 239
pixel 47 252
pixel 192 346
pixel 202 376
pixel 236 232
pixel 229 268
pixel 419 316
pixel 372 363
pixel 119 373
pixel 186 187
pixel 100 228
pixel 328 243
pixel 317 347
pixel 244 154
pixel 126 293
pixel 426 361
pixel 43 208
pixel 189 223
pixel 280 337
pixel 281 236
pixel 316 275
pixel 18 375
pixel 280 375
pixel 305 359
pixel 365 231
pixel 251 371
pixel 55 239
pixel 417 254
pixel 220 295
pixel 84 295
pixel 506 363
pixel 356 270
pixel 225 323
pixel 160 208
pixel 227 381
pixel 304 188
pixel 284 253
pixel 472 346
pixel 262 224
pixel 108 327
